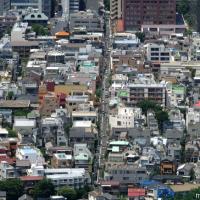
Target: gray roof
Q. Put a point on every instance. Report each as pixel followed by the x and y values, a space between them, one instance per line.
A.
pixel 173 134
pixel 25 197
pixel 23 163
pixel 80 132
pixel 2 193
pixel 36 16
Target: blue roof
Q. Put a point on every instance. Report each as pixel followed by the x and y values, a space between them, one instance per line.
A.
pixel 146 183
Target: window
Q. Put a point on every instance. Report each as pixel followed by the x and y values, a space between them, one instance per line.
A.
pixel 119 123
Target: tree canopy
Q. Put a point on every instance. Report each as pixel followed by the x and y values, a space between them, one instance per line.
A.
pixel 160 114
pixel 13 187
pixel 141 36
pixel 68 193
pixel 188 196
pixel 11 132
pixel 39 29
pixel 43 189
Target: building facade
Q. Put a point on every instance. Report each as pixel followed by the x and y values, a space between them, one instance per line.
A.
pixel 44 6
pixel 137 13
pixel 4 6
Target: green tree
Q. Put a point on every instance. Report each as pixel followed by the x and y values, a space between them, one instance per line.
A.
pixel 11 132
pixel 161 117
pixel 10 95
pixel 192 175
pixel 146 105
pixel 191 195
pixel 107 4
pixel 68 193
pixel 98 93
pixel 39 29
pixel 13 187
pixel 183 143
pixel 198 15
pixel 83 192
pixel 183 7
pixel 160 114
pixel 43 189
pixel 141 36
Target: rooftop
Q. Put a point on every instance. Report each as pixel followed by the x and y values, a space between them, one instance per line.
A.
pixel 24 123
pixel 14 103
pixel 63 156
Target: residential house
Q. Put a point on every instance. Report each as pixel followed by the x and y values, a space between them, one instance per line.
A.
pixel 83 135
pixel 83 158
pixel 61 160
pixel 32 154
pixel 72 177
pixel 168 166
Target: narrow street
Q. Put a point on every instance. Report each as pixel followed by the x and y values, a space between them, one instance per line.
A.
pixel 104 109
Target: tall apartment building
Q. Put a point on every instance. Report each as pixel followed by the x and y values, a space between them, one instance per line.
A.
pixel 148 12
pixel 4 6
pixel 73 6
pixel 115 9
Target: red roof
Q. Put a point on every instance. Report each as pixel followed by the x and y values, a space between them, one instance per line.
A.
pixel 197 104
pixel 136 192
pixel 9 160
pixel 31 178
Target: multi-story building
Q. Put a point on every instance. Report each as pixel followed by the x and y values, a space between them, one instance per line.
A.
pixel 123 119
pixel 7 21
pixel 125 174
pixel 49 104
pixel 6 170
pixel 52 131
pixel 88 20
pixel 137 13
pixel 32 154
pixel 4 6
pixel 73 6
pixel 143 87
pixel 44 6
pixel 72 177
pixel 61 160
pixel 157 53
pixel 115 9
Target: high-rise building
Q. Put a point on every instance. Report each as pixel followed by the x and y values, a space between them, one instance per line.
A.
pixel 74 6
pixel 4 6
pixel 148 12
pixel 115 9
pixel 44 6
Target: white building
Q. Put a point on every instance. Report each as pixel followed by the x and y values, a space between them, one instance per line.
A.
pixel 157 53
pixel 24 127
pixel 3 133
pixel 124 118
pixel 192 116
pixel 32 154
pixel 4 6
pixel 72 177
pixel 18 32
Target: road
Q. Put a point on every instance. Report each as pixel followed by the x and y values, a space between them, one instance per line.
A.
pixel 104 109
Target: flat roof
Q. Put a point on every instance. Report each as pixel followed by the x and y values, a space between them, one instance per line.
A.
pixel 84 113
pixel 185 187
pixel 119 143
pixel 63 156
pixel 14 103
pixel 31 178
pixel 24 123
